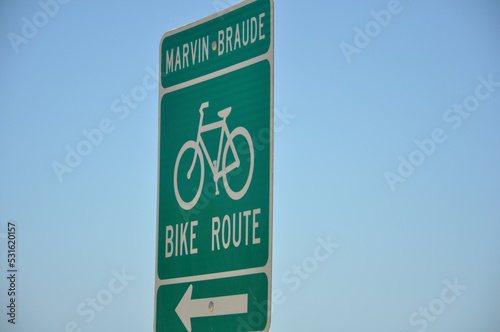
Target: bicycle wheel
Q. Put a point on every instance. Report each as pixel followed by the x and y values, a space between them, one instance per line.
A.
pixel 187 204
pixel 234 181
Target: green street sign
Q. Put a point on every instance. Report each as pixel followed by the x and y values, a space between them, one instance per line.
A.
pixel 226 304
pixel 214 220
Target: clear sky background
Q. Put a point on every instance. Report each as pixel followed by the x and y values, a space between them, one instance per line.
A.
pixel 350 107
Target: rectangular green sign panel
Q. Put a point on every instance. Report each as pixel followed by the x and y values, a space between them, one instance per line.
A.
pixel 218 233
pixel 216 44
pixel 172 297
pixel 215 179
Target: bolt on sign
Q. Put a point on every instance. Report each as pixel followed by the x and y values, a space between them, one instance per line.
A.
pixel 215 173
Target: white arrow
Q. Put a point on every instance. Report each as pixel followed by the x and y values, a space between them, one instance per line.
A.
pixel 215 306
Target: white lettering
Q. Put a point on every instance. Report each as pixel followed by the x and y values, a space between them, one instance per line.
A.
pixel 255 240
pixel 185 55
pixel 237 38
pixel 235 227
pixel 206 42
pixel 177 60
pixel 221 42
pixel 252 30
pixel 215 232
pixel 261 25
pixel 229 37
pixel 193 50
pixel 179 238
pixel 192 249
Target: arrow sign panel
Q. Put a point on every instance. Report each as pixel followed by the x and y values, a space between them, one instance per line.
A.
pixel 218 306
pixel 243 306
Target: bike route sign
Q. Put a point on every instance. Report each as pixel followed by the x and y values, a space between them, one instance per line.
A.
pixel 215 173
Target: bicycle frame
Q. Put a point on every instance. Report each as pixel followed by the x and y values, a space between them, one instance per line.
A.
pixel 215 164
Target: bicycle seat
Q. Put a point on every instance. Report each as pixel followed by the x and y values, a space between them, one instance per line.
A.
pixel 224 113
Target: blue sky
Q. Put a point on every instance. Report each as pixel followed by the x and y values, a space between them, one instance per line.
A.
pixel 345 123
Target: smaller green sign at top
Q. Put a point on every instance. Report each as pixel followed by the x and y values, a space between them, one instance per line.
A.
pixel 235 37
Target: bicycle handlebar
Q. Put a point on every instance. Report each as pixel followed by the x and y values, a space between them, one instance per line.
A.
pixel 203 106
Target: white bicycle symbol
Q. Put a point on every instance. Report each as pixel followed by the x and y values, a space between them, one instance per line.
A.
pixel 200 146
